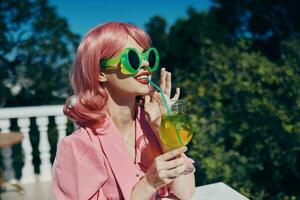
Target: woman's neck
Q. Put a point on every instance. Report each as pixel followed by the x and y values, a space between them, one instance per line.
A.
pixel 122 112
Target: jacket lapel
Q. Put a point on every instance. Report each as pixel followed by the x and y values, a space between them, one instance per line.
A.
pixel 118 157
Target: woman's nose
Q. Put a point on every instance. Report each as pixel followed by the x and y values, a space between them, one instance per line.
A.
pixel 145 63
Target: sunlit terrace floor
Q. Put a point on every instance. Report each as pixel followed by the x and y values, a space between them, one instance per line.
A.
pixel 35 191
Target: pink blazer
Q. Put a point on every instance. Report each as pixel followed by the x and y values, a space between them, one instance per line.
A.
pixel 95 164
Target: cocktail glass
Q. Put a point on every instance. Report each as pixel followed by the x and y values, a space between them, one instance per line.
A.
pixel 175 129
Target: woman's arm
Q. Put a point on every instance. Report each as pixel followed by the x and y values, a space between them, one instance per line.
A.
pixel 163 171
pixel 183 186
pixel 179 188
pixel 142 190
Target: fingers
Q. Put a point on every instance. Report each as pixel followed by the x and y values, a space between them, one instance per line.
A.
pixel 176 96
pixel 174 169
pixel 162 82
pixel 166 84
pixel 164 170
pixel 165 81
pixel 168 87
pixel 172 154
pixel 173 163
pixel 173 173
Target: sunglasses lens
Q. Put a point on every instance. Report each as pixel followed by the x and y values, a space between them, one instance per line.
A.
pixel 133 59
pixel 152 58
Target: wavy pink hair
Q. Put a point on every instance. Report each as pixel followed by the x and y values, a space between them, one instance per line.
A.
pixel 102 42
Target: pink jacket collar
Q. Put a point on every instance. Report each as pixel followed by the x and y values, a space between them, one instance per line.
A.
pixel 112 144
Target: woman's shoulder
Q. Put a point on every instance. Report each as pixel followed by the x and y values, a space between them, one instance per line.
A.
pixel 79 135
pixel 80 141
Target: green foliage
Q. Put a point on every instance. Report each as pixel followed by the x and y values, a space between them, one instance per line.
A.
pixel 35 53
pixel 245 108
pixel 267 23
pixel 249 122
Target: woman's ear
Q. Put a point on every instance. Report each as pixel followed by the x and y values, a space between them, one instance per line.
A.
pixel 102 77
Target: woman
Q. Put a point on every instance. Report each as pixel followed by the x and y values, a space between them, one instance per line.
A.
pixel 116 153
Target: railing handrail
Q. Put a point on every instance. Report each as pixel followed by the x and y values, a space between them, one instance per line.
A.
pixel 31 111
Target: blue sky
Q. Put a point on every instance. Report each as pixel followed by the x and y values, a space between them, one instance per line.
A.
pixel 83 15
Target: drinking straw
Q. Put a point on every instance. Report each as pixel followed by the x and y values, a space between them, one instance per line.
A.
pixel 166 104
pixel 161 94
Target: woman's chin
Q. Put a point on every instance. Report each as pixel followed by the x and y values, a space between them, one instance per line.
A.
pixel 144 90
pixel 142 93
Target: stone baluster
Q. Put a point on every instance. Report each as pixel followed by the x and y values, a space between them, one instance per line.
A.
pixel 61 123
pixel 28 175
pixel 44 148
pixel 7 152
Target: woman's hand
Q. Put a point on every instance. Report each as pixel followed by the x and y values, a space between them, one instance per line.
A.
pixel 154 105
pixel 167 167
pixel 173 169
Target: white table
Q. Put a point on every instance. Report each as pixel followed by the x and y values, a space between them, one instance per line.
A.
pixel 217 191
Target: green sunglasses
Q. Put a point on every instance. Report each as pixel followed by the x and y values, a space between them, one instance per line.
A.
pixel 130 61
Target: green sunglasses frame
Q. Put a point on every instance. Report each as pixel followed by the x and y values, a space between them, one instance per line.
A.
pixel 126 67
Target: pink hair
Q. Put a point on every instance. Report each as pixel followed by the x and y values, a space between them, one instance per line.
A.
pixel 102 42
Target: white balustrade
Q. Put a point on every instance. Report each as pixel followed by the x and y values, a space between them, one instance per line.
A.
pixel 27 171
pixel 61 122
pixel 7 152
pixel 23 115
pixel 44 148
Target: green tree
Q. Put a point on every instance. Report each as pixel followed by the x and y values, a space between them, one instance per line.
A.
pixel 156 27
pixel 245 108
pixel 248 135
pixel 266 22
pixel 36 50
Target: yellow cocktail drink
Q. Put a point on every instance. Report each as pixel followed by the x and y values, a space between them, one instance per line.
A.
pixel 175 130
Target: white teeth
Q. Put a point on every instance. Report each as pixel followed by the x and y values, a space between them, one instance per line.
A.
pixel 142 77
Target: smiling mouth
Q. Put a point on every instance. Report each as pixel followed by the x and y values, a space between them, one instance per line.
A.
pixel 141 78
